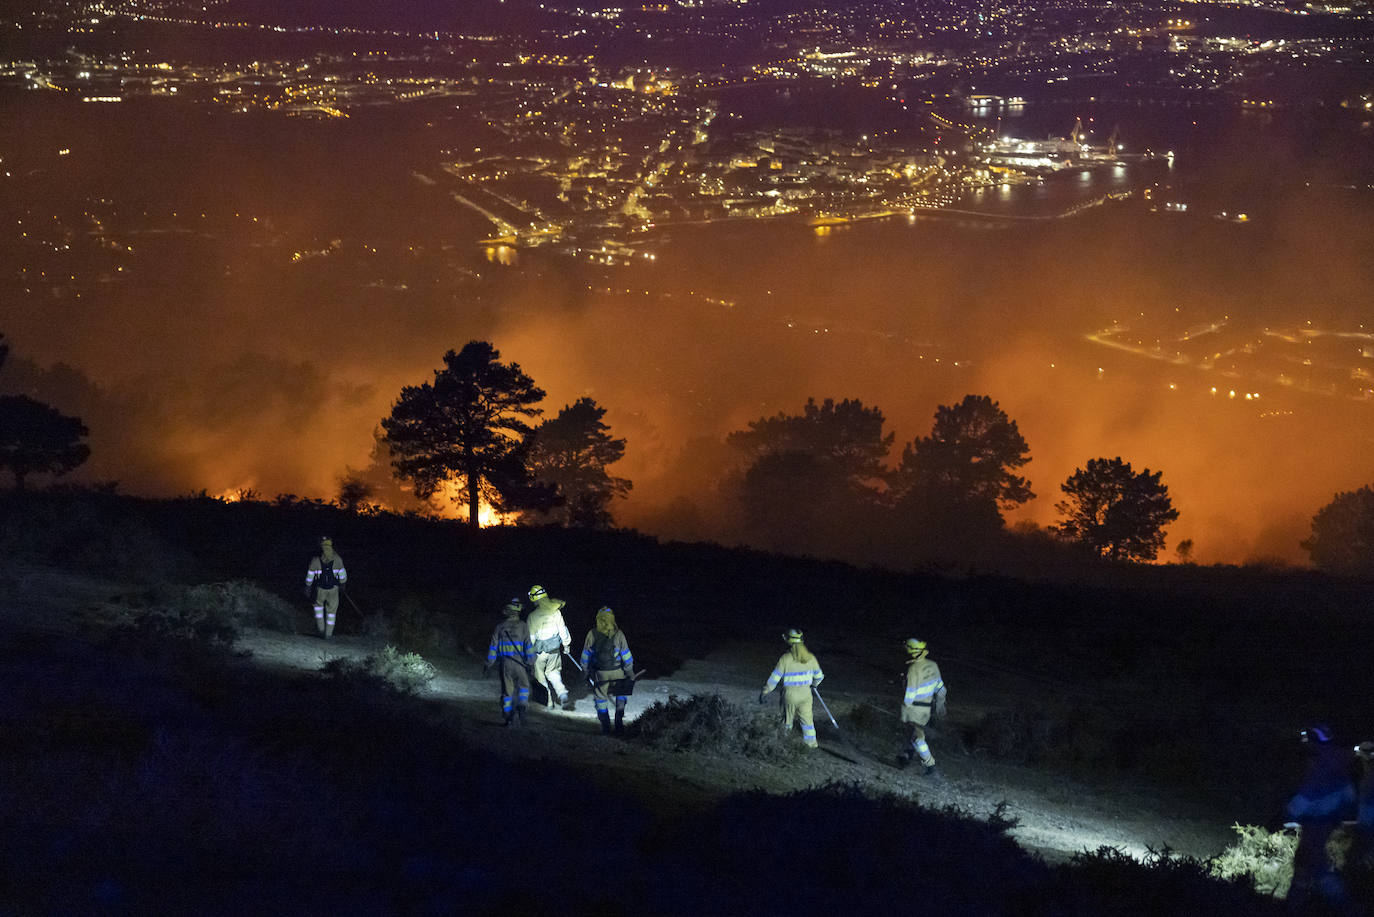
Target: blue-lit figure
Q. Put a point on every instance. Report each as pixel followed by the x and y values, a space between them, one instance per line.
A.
pixel 1324 799
pixel 510 650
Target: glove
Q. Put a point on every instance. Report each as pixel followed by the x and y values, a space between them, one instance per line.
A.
pixel 308 590
pixel 940 710
pixel 486 670
pixel 763 697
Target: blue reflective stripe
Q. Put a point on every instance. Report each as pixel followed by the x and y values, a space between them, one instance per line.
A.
pixel 910 696
pixel 773 680
pixel 798 679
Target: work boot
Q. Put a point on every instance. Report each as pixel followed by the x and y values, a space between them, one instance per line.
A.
pixel 903 760
pixel 520 714
pixel 566 701
pixel 620 721
pixel 930 771
pixel 509 720
pixel 605 719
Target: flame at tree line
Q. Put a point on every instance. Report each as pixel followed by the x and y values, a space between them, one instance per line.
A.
pixel 214 361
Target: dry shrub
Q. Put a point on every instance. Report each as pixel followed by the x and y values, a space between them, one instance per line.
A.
pixel 1265 856
pixel 241 604
pixel 406 673
pixel 710 723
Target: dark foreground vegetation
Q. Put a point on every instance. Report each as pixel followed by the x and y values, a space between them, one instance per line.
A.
pixel 146 769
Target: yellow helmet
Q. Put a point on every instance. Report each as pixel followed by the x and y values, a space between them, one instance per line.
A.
pixel 915 647
pixel 605 621
pixel 793 636
pixel 537 593
pixel 513 608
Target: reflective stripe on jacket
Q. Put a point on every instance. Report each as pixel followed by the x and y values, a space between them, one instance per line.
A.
pixel 511 639
pixel 316 570
pixel 924 688
pixel 600 652
pixel 794 673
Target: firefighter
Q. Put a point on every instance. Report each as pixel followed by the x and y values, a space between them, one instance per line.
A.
pixel 925 690
pixel 324 581
pixel 1325 797
pixel 510 652
pixel 549 638
pixel 799 671
pixel 607 660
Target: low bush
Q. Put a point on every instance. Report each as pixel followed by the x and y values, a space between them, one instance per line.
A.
pixel 407 673
pixel 1160 883
pixel 1266 857
pixel 241 604
pixel 710 723
pixel 845 850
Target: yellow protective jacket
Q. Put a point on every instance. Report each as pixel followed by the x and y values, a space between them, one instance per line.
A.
pixel 924 689
pixel 548 633
pixel 796 675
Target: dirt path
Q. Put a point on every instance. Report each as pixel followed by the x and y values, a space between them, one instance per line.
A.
pixel 1057 817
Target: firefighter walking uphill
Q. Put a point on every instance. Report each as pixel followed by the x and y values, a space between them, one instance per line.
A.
pixel 511 655
pixel 799 671
pixel 610 666
pixel 550 639
pixel 324 580
pixel 925 691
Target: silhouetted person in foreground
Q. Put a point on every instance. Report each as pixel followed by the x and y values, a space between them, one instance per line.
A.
pixel 510 652
pixel 925 692
pixel 1324 798
pixel 609 664
pixel 324 582
pixel 799 671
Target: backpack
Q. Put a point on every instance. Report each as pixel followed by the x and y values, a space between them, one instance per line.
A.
pixel 328 579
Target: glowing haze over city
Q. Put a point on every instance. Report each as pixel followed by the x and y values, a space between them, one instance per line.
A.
pixel 232 232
